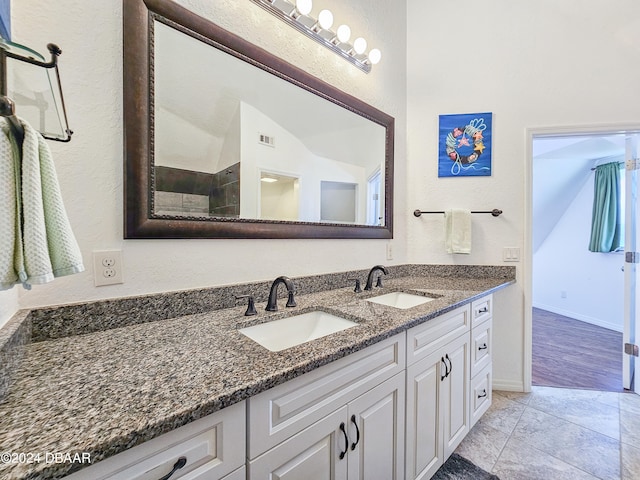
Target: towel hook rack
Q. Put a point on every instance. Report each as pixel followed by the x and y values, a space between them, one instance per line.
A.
pixel 7 105
pixel 495 212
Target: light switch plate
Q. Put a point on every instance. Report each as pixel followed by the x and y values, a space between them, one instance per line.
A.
pixel 511 254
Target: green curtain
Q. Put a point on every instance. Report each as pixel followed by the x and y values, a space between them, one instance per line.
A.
pixel 606 221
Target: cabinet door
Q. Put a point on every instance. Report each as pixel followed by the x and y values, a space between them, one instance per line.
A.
pixel 312 454
pixel 424 439
pixel 376 432
pixel 455 394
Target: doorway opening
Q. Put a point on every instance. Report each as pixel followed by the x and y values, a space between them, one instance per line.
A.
pixel 374 196
pixel 338 202
pixel 279 197
pixel 577 306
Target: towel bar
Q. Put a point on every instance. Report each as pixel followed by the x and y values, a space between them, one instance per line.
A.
pixel 495 212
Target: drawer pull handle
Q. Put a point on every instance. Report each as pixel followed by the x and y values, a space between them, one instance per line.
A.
pixel 182 461
pixel 484 393
pixel 446 369
pixel 482 310
pixel 484 346
pixel 355 423
pixel 346 441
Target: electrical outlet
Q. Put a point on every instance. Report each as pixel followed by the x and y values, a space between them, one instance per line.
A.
pixel 107 267
pixel 389 251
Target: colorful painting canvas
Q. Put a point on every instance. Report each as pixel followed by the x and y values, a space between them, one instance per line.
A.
pixel 464 145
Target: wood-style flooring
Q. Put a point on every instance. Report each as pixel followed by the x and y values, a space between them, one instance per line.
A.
pixel 574 354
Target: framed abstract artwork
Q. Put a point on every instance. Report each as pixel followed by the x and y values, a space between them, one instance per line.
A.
pixel 464 145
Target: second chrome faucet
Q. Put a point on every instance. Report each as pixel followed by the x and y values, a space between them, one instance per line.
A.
pixel 272 302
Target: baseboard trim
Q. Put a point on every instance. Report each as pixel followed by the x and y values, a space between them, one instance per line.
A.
pixel 583 318
pixel 507 385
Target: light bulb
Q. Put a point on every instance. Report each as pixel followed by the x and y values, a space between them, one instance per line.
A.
pixel 359 45
pixel 304 6
pixel 344 33
pixel 375 56
pixel 325 19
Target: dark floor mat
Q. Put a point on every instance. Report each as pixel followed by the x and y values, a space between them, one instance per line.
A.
pixel 459 468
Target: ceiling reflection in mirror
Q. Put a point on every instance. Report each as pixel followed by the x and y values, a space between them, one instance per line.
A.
pixel 234 141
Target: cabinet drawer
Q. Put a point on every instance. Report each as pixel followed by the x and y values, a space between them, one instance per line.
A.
pixel 213 447
pixel 481 310
pixel 481 347
pixel 287 409
pixel 424 339
pixel 480 394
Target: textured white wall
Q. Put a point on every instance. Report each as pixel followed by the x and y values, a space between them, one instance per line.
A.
pixel 533 65
pixel 90 166
pixel 8 305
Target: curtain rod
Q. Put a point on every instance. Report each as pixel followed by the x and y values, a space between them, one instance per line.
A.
pixel 619 163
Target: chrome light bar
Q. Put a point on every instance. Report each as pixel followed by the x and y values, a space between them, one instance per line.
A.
pixel 298 16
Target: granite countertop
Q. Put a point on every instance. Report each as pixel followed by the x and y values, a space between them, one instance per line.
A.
pixel 104 392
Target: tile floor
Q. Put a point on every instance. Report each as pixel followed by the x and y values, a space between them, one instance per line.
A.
pixel 558 433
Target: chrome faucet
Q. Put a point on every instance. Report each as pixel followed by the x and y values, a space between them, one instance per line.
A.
pixel 272 303
pixel 372 272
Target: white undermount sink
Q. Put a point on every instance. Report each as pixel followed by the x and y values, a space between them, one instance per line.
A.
pixel 291 331
pixel 400 300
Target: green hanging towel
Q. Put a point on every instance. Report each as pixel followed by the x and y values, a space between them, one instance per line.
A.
pixel 606 221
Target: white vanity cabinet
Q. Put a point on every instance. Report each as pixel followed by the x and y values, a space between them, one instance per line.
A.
pixel 342 420
pixel 394 410
pixel 212 447
pixel 437 417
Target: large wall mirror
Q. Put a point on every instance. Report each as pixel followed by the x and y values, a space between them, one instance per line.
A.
pixel 225 140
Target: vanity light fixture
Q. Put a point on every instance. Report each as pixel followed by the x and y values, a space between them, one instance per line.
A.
pixel 298 15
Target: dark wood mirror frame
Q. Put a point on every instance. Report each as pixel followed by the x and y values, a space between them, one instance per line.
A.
pixel 139 220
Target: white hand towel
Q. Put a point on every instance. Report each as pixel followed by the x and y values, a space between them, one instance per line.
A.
pixel 457 224
pixel 44 246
